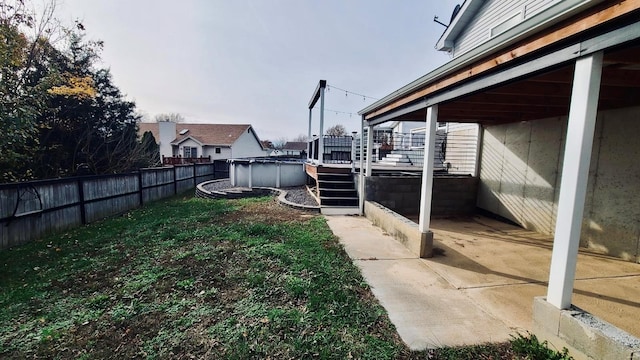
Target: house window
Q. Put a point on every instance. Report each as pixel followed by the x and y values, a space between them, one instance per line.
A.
pixel 218 150
pixel 190 152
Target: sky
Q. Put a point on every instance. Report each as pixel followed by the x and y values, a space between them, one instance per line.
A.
pixel 258 62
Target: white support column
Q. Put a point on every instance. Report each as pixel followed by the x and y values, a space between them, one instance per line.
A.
pixel 250 174
pixel 321 140
pixel 476 165
pixel 309 140
pixel 278 174
pixel 361 183
pixel 427 168
pixel 369 149
pixel 575 174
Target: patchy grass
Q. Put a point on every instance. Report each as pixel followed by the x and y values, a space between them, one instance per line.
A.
pixel 191 278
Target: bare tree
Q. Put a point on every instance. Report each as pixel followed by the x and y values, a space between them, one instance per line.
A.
pixel 336 130
pixel 301 138
pixel 279 143
pixel 171 117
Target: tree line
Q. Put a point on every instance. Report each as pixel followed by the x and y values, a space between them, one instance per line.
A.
pixel 60 113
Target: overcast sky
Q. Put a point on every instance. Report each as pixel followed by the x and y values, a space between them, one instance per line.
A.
pixel 259 61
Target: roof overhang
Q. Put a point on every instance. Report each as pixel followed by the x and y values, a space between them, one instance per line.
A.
pixel 458 23
pixel 540 62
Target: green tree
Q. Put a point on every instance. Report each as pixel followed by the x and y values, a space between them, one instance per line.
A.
pixel 59 112
pixel 21 98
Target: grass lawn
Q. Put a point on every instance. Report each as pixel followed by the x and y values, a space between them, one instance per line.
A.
pixel 192 278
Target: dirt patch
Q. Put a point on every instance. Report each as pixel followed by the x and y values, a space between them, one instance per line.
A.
pixel 268 212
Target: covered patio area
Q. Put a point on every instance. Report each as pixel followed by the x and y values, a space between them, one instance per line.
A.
pixel 479 285
pixel 557 102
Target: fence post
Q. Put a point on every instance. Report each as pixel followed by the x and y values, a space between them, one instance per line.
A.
pixel 140 187
pixel 175 181
pixel 83 213
pixel 195 181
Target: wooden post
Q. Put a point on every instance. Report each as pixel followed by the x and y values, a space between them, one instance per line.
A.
pixel 83 212
pixel 140 187
pixel 195 177
pixel 175 180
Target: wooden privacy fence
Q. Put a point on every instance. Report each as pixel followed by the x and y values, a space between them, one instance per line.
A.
pixel 29 210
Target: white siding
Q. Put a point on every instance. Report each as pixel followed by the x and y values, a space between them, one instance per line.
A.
pixel 405 127
pixel 225 152
pixel 179 150
pixel 167 133
pixel 492 14
pixel 247 145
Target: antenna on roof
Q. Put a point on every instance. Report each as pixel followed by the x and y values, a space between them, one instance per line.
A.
pixel 435 18
pixel 456 10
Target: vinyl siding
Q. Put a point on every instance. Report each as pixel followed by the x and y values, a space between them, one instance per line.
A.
pixel 493 13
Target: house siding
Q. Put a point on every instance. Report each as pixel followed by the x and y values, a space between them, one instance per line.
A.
pixel 225 152
pixel 493 13
pixel 167 133
pixel 520 176
pixel 179 150
pixel 247 145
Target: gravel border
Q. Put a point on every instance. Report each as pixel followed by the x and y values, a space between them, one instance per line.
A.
pixel 297 196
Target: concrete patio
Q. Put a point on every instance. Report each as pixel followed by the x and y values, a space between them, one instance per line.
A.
pixel 480 285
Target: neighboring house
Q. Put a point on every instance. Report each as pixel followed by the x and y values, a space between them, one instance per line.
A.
pixel 555 88
pixel 295 149
pixel 217 141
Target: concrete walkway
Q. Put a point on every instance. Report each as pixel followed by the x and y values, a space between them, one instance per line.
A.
pixel 480 286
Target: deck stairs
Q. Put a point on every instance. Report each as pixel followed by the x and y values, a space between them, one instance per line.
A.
pixel 337 193
pixel 394 159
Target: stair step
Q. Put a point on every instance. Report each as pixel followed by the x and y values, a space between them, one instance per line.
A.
pixel 394 159
pixel 335 174
pixel 338 198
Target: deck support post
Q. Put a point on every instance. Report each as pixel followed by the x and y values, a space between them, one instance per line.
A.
pixel 575 175
pixel 426 190
pixel 309 139
pixel 321 138
pixel 361 187
pixel 369 150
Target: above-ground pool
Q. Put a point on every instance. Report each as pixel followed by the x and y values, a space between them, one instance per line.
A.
pixel 267 173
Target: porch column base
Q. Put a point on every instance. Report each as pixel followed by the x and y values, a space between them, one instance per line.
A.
pixel 586 336
pixel 426 244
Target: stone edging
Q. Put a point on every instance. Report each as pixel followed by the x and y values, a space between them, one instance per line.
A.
pixel 254 191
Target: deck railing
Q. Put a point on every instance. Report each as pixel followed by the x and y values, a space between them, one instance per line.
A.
pixel 179 160
pixel 337 149
pixel 455 151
